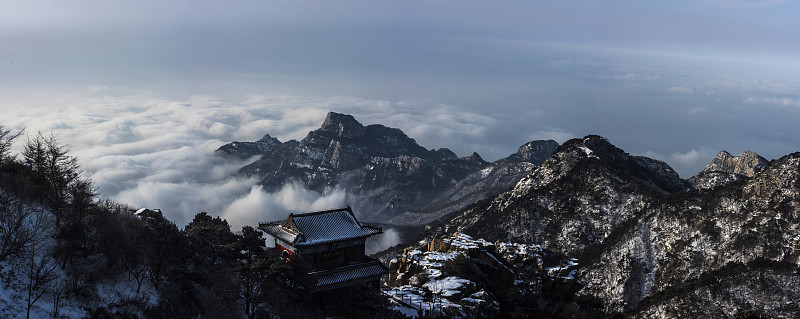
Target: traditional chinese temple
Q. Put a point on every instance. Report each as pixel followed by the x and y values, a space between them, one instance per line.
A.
pixel 333 243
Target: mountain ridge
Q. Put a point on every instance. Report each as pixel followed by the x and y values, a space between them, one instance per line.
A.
pixel 646 240
pixel 387 176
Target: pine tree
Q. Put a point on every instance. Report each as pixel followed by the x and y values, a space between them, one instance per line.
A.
pixel 211 240
pixel 52 165
pixel 73 233
pixel 6 140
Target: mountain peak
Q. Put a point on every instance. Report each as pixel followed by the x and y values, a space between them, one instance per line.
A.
pixel 748 164
pixel 342 125
pixel 268 139
pixel 537 151
pixel 475 157
pixel 656 173
pixel 749 154
pixel 724 154
pixel 593 146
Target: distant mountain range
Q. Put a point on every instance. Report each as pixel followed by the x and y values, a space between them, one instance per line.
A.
pixel 387 176
pixel 639 240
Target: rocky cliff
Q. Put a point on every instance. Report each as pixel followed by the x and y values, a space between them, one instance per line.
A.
pixel 747 164
pixel 726 168
pixel 456 275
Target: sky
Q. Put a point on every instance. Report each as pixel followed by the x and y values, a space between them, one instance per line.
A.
pixel 143 92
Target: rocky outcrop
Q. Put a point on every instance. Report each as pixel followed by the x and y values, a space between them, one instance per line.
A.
pixel 726 168
pixel 747 164
pixel 478 278
pixel 245 150
pixel 342 125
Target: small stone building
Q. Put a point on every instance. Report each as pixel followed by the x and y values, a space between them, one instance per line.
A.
pixel 333 243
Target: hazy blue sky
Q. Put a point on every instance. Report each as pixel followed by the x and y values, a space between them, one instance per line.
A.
pixel 143 91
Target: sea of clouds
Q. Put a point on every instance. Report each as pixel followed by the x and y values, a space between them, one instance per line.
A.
pixel 159 153
pixel 151 151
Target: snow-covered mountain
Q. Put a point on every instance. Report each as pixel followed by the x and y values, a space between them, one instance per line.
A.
pixel 386 174
pixel 637 239
pixel 729 251
pixel 649 244
pixel 584 191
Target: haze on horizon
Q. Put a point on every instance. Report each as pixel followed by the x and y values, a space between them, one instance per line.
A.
pixel 144 91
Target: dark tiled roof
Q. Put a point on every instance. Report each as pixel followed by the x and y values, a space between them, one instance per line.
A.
pixel 276 230
pixel 320 228
pixel 352 273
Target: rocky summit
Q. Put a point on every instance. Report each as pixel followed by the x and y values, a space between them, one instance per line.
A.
pixel 386 175
pixel 649 244
pixel 726 168
pixel 747 164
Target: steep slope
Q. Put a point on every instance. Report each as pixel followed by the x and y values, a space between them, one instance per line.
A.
pixel 585 190
pixel 736 248
pixel 648 245
pixel 386 174
pixel 495 179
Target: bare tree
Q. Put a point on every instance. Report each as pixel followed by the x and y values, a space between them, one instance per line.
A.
pixel 14 233
pixel 59 292
pixel 21 225
pixel 25 239
pixel 34 264
pixel 39 270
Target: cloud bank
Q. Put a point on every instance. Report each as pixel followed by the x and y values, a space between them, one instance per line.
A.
pixel 159 153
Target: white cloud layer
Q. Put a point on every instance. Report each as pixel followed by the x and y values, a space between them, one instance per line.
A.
pixel 260 206
pixel 144 93
pixel 159 153
pixel 687 163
